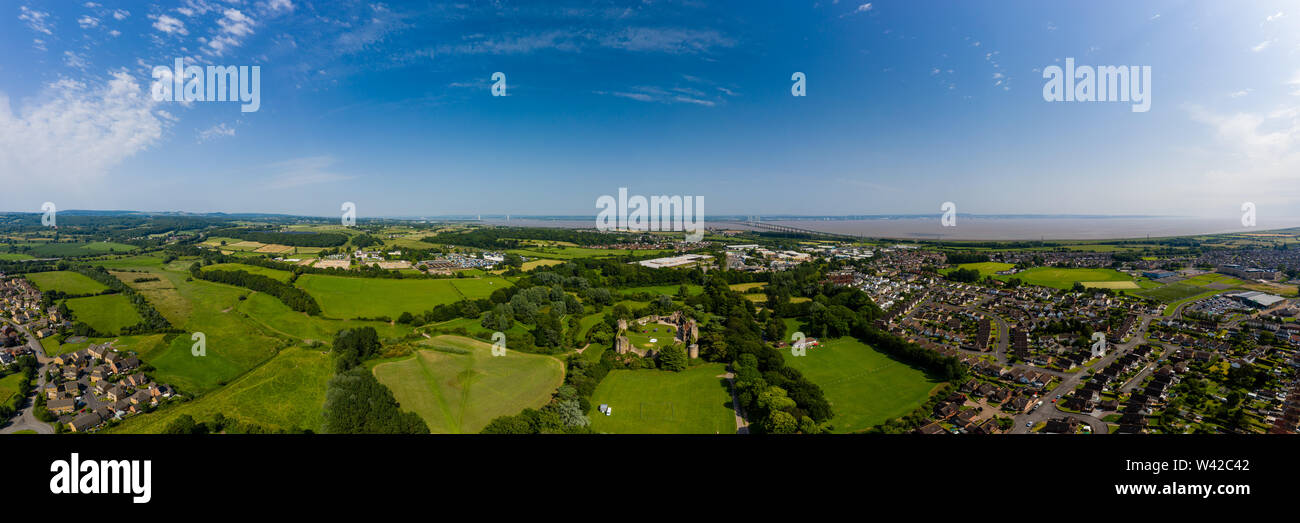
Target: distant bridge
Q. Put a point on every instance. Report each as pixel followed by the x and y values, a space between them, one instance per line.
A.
pixel 763 226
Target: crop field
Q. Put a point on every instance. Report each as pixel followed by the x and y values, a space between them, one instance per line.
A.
pixel 348 297
pixel 694 401
pixel 864 386
pixel 106 313
pixel 457 386
pixel 66 282
pixel 288 391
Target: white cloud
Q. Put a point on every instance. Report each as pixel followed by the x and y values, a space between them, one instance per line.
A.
pixel 278 6
pixel 303 171
pixel 1241 93
pixel 668 40
pixel 37 20
pixel 1262 46
pixel 863 8
pixel 77 133
pixel 87 22
pixel 1260 154
pixel 168 24
pixel 120 14
pixel 217 131
pixel 234 27
pixel 1274 17
pixel 75 60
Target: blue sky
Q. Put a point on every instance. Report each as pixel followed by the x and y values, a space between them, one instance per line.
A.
pixel 909 104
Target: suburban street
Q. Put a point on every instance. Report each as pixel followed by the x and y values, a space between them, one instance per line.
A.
pixel 26 420
pixel 1071 380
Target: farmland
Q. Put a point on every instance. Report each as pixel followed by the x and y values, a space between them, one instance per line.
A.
pixel 348 297
pixel 66 282
pixel 106 313
pixel 286 392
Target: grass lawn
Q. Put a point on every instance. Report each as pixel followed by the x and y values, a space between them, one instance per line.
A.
pixel 985 268
pixel 864 387
pixel 668 290
pixel 278 318
pixel 1066 278
pixel 347 297
pixel 288 391
pixel 457 386
pixel 647 401
pixel 65 281
pixel 10 256
pixel 106 313
pixel 641 335
pixel 9 387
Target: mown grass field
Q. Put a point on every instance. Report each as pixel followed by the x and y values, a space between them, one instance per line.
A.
pixel 106 313
pixel 457 386
pixel 864 386
pixel 985 268
pixel 640 335
pixel 65 281
pixel 1065 278
pixel 694 401
pixel 668 290
pixel 346 297
pixel 9 387
pixel 288 391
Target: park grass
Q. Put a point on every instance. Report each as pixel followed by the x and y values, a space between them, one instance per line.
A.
pixel 288 391
pixel 985 268
pixel 66 282
pixel 663 334
pixel 1212 278
pixel 647 401
pixel 1065 278
pixel 865 387
pixel 476 288
pixel 348 297
pixel 11 256
pixel 275 274
pixel 9 387
pixel 106 313
pixel 457 386
pixel 1111 284
pixel 742 287
pixel 1173 292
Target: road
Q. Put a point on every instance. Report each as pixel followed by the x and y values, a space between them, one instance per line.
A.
pixel 1072 380
pixel 26 420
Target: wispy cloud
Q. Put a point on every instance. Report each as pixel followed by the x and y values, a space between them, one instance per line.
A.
pixel 36 20
pixel 220 130
pixel 168 24
pixel 303 171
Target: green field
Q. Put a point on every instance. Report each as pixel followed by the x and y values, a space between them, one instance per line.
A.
pixel 669 290
pixel 985 268
pixel 640 335
pixel 347 297
pixel 569 253
pixel 1065 278
pixel 865 387
pixel 58 250
pixel 9 387
pixel 694 401
pixel 252 269
pixel 457 386
pixel 106 313
pixel 66 282
pixel 288 391
pixel 10 256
